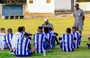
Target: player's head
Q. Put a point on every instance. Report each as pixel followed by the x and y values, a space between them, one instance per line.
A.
pixel 74 29
pixel 77 6
pixel 20 29
pixel 2 30
pixel 40 29
pixel 68 30
pixel 23 28
pixel 27 35
pixel 46 21
pixel 46 29
pixel 9 30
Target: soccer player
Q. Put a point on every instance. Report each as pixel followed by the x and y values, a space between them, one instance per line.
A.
pixel 24 47
pixel 49 37
pixel 8 38
pixel 67 41
pixel 16 36
pixel 39 38
pixel 26 32
pixel 77 36
pixel 2 34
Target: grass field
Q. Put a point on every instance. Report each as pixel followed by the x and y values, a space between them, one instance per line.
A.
pixel 60 25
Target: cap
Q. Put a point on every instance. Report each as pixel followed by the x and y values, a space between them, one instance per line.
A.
pixel 76 5
pixel 46 20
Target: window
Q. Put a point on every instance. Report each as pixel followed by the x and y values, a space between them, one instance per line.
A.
pixel 48 1
pixel 83 0
pixel 30 1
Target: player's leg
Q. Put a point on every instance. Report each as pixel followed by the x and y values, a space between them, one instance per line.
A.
pixel 80 28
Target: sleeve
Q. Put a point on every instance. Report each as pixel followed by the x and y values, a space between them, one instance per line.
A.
pixel 83 14
pixel 52 26
pixel 29 45
pixel 14 41
pixel 80 35
pixel 74 14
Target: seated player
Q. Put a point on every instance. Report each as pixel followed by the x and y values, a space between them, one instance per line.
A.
pixel 77 36
pixel 2 34
pixel 24 47
pixel 67 41
pixel 53 37
pixel 25 32
pixel 49 37
pixel 39 38
pixel 16 36
pixel 8 38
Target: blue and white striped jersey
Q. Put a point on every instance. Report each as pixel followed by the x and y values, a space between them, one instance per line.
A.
pixel 50 38
pixel 39 38
pixel 67 43
pixel 22 47
pixel 8 39
pixel 78 39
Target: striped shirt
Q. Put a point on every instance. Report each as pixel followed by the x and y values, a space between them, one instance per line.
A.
pixel 39 38
pixel 16 36
pixel 8 39
pixel 22 47
pixel 49 37
pixel 78 39
pixel 67 42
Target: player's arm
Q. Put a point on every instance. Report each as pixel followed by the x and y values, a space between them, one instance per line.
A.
pixel 83 15
pixel 60 39
pixel 29 46
pixel 74 14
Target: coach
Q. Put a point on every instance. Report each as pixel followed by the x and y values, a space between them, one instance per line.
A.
pixel 47 24
pixel 79 18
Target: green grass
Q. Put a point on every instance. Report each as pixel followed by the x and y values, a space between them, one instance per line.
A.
pixel 60 25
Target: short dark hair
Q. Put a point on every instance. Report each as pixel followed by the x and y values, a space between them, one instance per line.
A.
pixel 2 29
pixel 46 29
pixel 20 29
pixel 10 29
pixel 22 26
pixel 74 28
pixel 40 27
pixel 68 30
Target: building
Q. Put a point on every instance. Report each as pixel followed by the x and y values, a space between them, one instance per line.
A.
pixel 48 7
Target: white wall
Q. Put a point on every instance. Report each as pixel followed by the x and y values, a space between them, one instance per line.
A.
pixel 85 6
pixel 62 4
pixel 40 6
pixel 0 9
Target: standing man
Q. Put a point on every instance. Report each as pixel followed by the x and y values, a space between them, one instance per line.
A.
pixel 79 18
